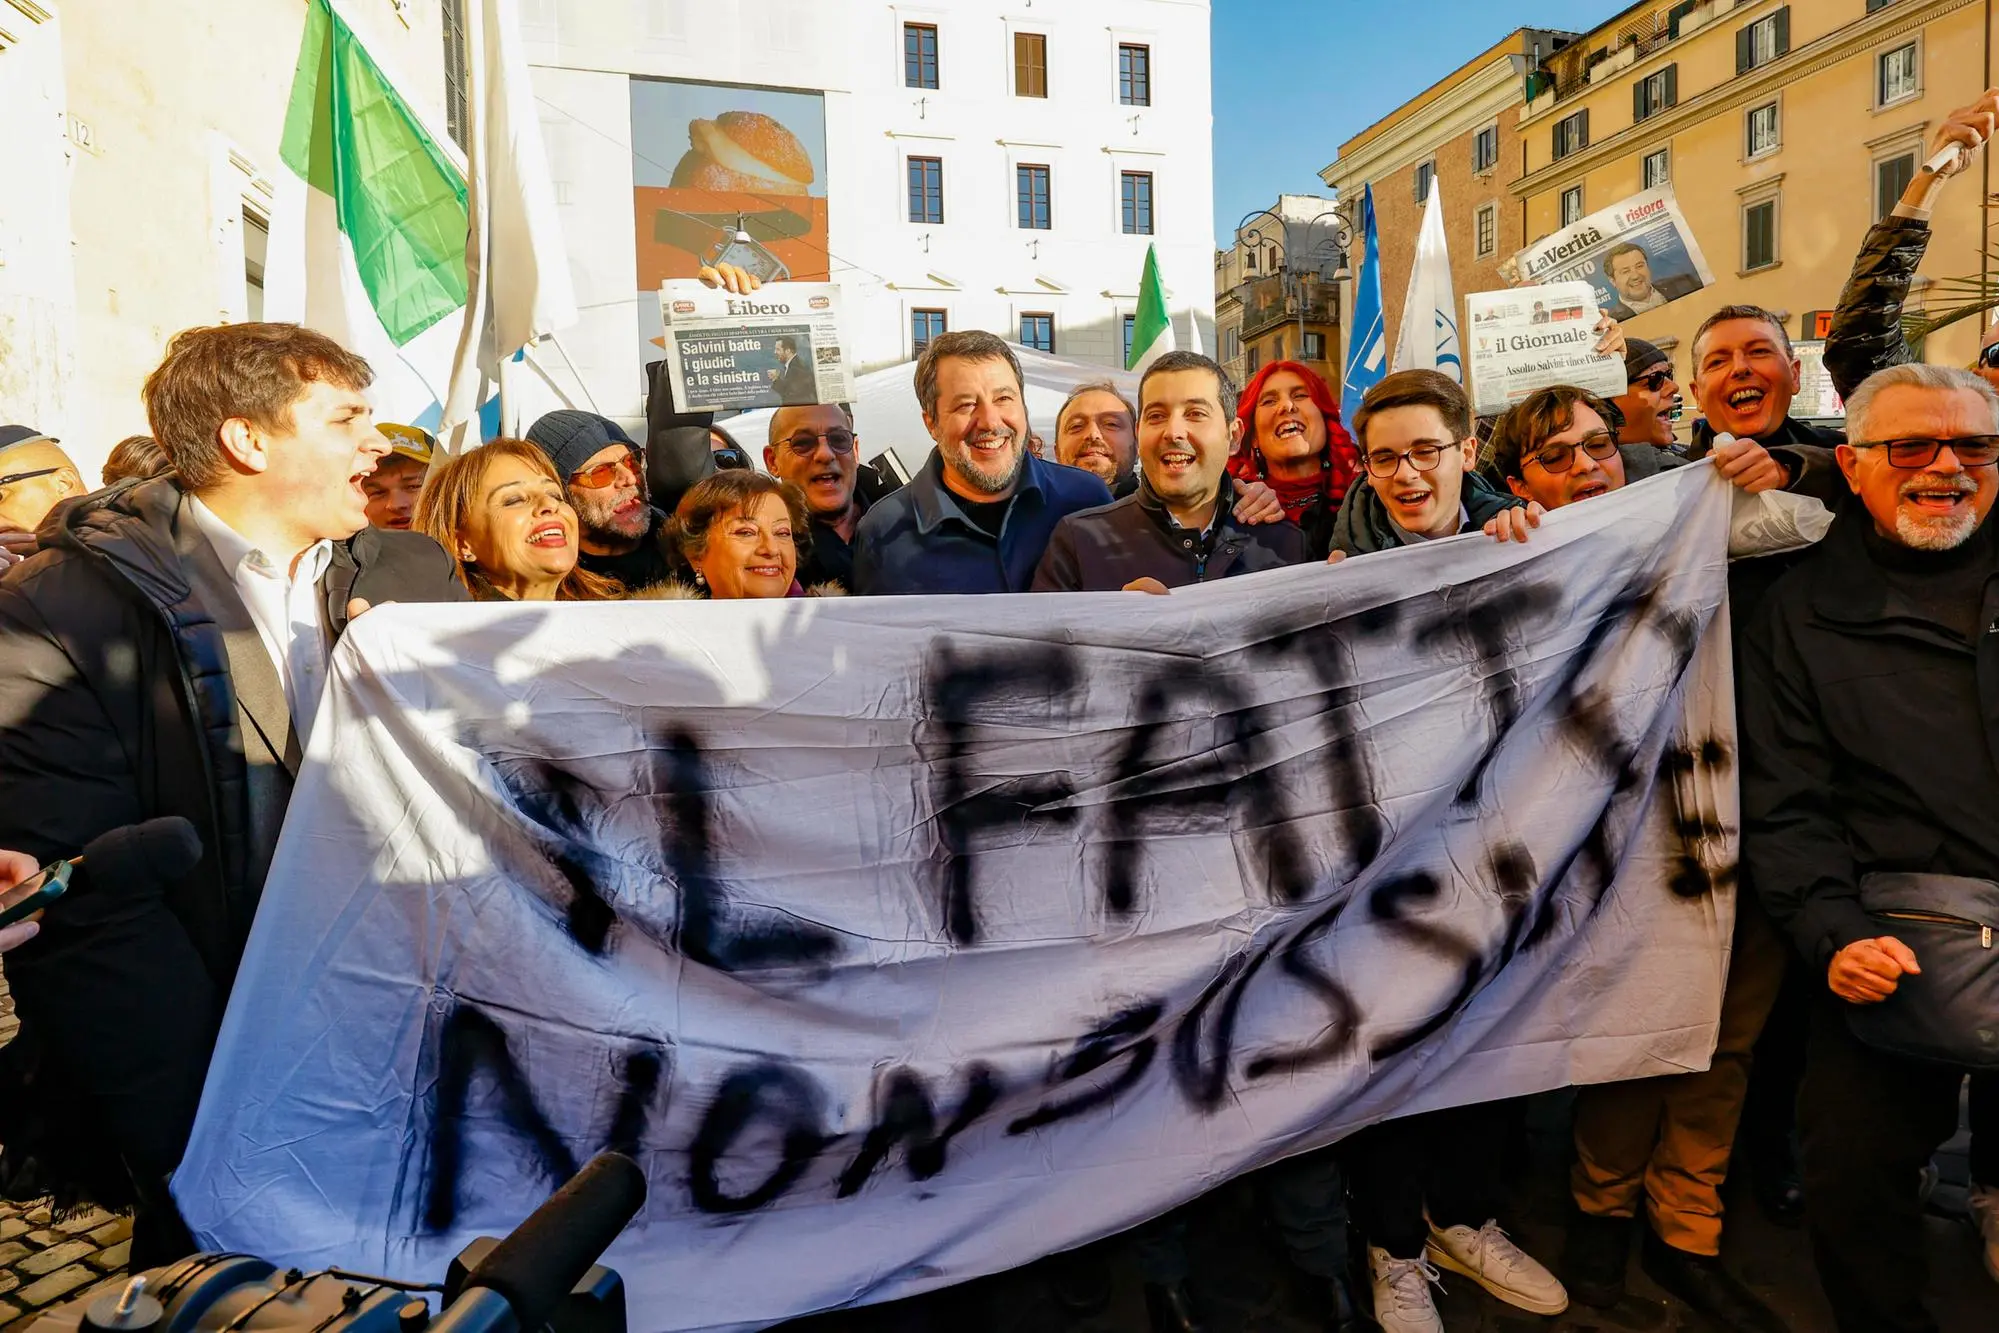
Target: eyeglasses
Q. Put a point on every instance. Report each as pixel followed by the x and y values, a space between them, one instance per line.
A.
pixel 1655 381
pixel 1559 458
pixel 804 444
pixel 1385 463
pixel 1988 357
pixel 13 477
pixel 1970 450
pixel 606 474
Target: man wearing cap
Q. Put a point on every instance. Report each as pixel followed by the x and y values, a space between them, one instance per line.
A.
pixel 35 475
pixel 604 475
pixel 1651 399
pixel 396 482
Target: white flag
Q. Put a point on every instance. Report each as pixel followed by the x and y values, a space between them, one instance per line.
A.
pixel 517 268
pixel 1428 338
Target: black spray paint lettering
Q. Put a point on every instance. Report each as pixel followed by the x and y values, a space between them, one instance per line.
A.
pixel 1491 627
pixel 1126 1035
pixel 562 806
pixel 967 808
pixel 767 1092
pixel 906 1114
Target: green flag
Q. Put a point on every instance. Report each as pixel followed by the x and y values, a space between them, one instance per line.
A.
pixel 1151 328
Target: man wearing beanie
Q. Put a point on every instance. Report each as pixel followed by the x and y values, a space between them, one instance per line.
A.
pixel 604 476
pixel 1651 399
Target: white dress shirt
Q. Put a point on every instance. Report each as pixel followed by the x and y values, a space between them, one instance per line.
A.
pixel 284 608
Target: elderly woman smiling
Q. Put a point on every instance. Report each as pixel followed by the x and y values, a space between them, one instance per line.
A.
pixel 744 534
pixel 501 512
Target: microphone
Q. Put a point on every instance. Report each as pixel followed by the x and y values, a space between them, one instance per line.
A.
pixel 547 1255
pixel 139 858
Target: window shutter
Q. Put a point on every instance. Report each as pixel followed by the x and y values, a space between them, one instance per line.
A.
pixel 1673 84
pixel 1582 128
pixel 1745 50
pixel 1784 30
pixel 1638 108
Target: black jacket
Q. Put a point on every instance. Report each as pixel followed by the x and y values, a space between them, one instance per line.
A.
pixel 1869 728
pixel 1866 333
pixel 795 384
pixel 117 705
pixel 1363 528
pixel 1103 549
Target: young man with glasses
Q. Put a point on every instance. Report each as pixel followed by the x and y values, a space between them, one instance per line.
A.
pixel 604 477
pixel 1869 685
pixel 815 449
pixel 1417 448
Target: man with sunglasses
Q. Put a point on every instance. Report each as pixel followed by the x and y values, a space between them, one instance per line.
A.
pixel 1869 685
pixel 1647 409
pixel 619 532
pixel 815 449
pixel 35 476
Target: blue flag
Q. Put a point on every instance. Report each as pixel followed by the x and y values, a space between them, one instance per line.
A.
pixel 1367 347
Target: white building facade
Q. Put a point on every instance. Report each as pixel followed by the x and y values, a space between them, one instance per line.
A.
pixel 978 164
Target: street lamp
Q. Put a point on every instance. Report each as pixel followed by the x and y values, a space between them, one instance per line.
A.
pixel 1305 258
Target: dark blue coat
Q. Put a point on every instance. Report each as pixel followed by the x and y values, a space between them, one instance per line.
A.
pixel 919 541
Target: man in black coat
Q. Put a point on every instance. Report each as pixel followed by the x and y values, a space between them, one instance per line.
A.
pixel 793 381
pixel 1867 695
pixel 1178 527
pixel 164 654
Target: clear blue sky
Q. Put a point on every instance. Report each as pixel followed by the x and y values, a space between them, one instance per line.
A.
pixel 1295 78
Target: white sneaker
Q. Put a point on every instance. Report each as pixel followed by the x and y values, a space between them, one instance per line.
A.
pixel 1489 1258
pixel 1402 1301
pixel 1983 1202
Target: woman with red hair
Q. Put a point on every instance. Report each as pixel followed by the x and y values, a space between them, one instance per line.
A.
pixel 1292 440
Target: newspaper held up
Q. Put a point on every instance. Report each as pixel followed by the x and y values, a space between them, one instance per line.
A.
pixel 1531 337
pixel 778 346
pixel 1638 254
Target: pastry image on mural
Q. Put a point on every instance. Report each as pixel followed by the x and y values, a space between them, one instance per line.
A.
pixel 725 174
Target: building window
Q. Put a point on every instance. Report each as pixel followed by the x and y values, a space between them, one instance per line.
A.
pixel 1134 75
pixel 1572 133
pixel 1759 235
pixel 1231 344
pixel 1426 175
pixel 923 326
pixel 1655 92
pixel 1763 41
pixel 926 189
pixel 1251 360
pixel 1896 76
pixel 1572 205
pixel 1485 149
pixel 1891 177
pixel 1761 134
pixel 1277 348
pixel 256 251
pixel 1486 226
pixel 1136 187
pixel 1314 348
pixel 1130 327
pixel 1031 185
pixel 1038 331
pixel 455 115
pixel 1030 64
pixel 919 55
pixel 1658 169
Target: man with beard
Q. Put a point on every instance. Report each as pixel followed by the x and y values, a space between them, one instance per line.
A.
pixel 619 532
pixel 978 517
pixel 1177 528
pixel 1867 690
pixel 816 450
pixel 1094 431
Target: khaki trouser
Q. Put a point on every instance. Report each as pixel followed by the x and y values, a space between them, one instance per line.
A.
pixel 1668 1138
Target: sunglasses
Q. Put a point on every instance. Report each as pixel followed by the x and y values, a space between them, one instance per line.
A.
pixel 1988 357
pixel 1970 450
pixel 1385 463
pixel 804 445
pixel 13 477
pixel 1653 382
pixel 1559 458
pixel 606 474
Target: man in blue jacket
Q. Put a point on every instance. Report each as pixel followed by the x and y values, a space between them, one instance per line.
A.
pixel 979 515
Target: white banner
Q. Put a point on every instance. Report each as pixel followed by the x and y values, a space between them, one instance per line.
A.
pixel 905 940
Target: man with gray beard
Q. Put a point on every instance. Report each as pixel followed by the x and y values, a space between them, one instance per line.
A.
pixel 979 515
pixel 1870 724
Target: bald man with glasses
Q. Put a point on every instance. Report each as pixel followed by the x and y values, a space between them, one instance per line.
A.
pixel 35 476
pixel 815 449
